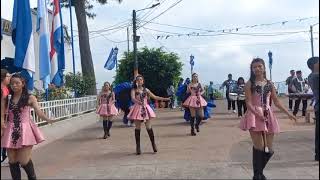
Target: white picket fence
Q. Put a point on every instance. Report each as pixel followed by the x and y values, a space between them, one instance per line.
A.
pixel 65 108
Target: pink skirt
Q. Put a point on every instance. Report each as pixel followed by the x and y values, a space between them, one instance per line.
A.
pixel 192 102
pixel 103 110
pixel 135 113
pixel 250 122
pixel 30 135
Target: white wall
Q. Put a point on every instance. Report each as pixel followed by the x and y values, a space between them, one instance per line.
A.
pixel 7 47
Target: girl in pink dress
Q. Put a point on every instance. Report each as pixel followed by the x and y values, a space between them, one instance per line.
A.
pixel 195 102
pixel 259 118
pixel 20 133
pixel 142 112
pixel 107 109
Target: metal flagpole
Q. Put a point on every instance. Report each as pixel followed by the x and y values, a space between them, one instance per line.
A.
pixel 73 61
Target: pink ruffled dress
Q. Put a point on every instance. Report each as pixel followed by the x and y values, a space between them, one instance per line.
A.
pixel 107 108
pixel 20 130
pixel 140 112
pixel 261 102
pixel 195 100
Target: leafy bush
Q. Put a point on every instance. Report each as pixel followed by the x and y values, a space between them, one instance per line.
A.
pixel 80 83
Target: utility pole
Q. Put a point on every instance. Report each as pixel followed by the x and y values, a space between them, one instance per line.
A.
pixel 311 32
pixel 136 38
pixel 128 37
pixel 134 21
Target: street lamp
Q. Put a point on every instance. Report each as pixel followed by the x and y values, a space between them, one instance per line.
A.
pixel 136 38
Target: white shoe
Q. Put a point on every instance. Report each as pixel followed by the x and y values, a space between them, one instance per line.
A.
pixel 234 111
pixel 129 123
pixel 5 163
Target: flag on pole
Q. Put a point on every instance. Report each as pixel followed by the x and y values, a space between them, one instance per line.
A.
pixel 44 48
pixel 112 59
pixel 22 38
pixel 192 63
pixel 270 59
pixel 192 60
pixel 57 58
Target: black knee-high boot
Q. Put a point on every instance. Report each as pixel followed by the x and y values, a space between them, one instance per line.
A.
pixel 192 126
pixel 137 135
pixel 151 136
pixel 105 127
pixel 109 127
pixel 258 164
pixel 30 170
pixel 198 121
pixel 267 156
pixel 4 154
pixel 15 171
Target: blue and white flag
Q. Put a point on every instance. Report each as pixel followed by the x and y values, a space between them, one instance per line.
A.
pixel 44 48
pixel 112 59
pixel 192 60
pixel 22 38
pixel 57 57
pixel 270 59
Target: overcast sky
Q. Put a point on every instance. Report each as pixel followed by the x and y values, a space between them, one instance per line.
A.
pixel 215 56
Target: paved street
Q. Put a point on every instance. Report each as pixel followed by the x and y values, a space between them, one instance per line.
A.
pixel 74 150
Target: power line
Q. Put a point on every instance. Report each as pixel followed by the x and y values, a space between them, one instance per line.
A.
pixel 145 16
pixel 257 34
pixel 149 4
pixel 115 26
pixel 106 34
pixel 175 33
pixel 238 28
pixel 101 32
pixel 183 27
pixel 224 33
pixel 161 45
pixel 161 13
pixel 254 44
pixel 145 42
pixel 110 29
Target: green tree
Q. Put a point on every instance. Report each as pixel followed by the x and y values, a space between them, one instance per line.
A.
pixel 159 68
pixel 82 83
pixel 83 9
